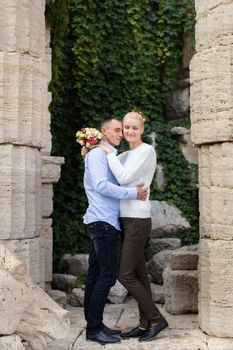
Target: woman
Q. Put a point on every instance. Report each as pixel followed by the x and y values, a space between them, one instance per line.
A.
pixel 131 168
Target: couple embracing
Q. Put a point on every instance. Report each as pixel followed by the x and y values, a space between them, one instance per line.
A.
pixel 112 208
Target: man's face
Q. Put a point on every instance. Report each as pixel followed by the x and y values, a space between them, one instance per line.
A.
pixel 112 132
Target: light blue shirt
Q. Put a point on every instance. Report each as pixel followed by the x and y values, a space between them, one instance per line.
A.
pixel 102 190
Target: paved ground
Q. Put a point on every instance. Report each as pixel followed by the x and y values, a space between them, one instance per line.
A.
pixel 182 334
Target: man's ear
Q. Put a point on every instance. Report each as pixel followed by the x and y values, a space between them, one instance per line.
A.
pixel 103 129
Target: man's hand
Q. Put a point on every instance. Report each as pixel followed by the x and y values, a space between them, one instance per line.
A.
pixel 142 192
pixel 84 151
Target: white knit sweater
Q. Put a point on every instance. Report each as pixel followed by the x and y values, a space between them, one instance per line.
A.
pixel 131 168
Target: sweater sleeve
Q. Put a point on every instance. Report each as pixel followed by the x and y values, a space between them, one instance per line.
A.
pixel 143 160
pixel 97 165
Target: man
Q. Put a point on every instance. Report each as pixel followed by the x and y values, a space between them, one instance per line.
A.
pixel 102 222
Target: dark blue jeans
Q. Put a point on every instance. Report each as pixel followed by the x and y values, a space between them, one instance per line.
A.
pixel 102 272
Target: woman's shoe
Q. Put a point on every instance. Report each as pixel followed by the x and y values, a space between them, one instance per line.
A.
pixel 153 330
pixel 134 333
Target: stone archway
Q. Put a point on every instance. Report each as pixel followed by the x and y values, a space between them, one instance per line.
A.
pixel 212 132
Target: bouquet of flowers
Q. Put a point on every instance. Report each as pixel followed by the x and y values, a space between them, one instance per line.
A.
pixel 88 137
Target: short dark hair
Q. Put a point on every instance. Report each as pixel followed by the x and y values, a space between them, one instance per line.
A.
pixel 108 119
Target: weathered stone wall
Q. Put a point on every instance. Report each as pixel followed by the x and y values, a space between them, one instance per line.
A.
pixel 211 116
pixel 27 172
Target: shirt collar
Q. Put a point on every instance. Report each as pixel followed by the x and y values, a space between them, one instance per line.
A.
pixel 108 144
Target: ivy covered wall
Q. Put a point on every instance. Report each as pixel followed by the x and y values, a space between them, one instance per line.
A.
pixel 110 56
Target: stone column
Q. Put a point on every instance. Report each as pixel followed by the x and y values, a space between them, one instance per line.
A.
pixel 212 132
pixel 50 174
pixel 24 129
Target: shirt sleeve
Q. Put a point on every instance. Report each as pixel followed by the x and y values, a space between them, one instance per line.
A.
pixel 143 160
pixel 98 167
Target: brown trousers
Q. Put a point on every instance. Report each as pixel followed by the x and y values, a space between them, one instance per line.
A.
pixel 133 272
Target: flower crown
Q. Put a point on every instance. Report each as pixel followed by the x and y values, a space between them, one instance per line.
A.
pixel 141 114
pixel 88 137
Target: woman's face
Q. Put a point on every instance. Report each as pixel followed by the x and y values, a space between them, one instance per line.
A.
pixel 132 129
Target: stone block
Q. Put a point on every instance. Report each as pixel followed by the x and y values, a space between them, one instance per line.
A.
pixel 46 200
pixel 180 291
pixel 216 212
pixel 46 229
pixel 42 265
pixel 214 25
pixel 185 258
pixel 14 297
pixel 209 102
pixel 204 157
pixel 211 95
pixel 46 238
pixel 158 264
pixel 204 169
pixel 167 220
pixel 216 191
pixel 208 131
pixel 22 113
pixel 48 286
pixel 178 104
pixel 63 282
pixel 51 168
pixel 215 231
pixel 47 142
pixel 23 27
pixel 190 153
pixel 117 293
pixel 58 296
pixel 216 284
pixel 157 293
pixel 27 250
pixel 77 297
pixel 202 6
pixel 216 165
pixel 11 342
pixel 27 310
pixel 159 244
pixel 20 192
pixel 212 63
pixel 220 344
pixel 77 265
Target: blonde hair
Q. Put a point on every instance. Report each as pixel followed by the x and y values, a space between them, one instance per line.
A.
pixel 135 115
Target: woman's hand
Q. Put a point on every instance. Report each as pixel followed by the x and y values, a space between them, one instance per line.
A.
pixel 106 148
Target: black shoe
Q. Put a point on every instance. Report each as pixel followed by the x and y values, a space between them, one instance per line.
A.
pixel 134 333
pixel 103 338
pixel 153 330
pixel 111 331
